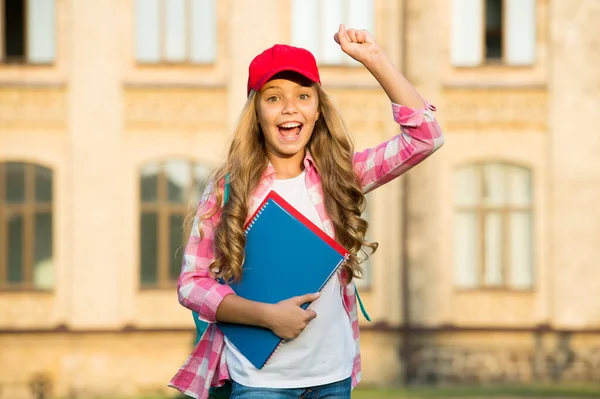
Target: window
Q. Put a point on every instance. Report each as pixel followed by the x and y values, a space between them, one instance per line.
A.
pixel 315 21
pixel 175 31
pixel 367 265
pixel 493 31
pixel 493 243
pixel 166 192
pixel 27 31
pixel 26 238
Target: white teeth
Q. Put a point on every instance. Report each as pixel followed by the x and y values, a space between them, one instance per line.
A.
pixel 289 125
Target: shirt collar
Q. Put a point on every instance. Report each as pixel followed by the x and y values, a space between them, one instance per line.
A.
pixel 308 161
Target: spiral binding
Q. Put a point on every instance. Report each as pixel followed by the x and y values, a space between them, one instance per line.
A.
pixel 256 216
pixel 324 284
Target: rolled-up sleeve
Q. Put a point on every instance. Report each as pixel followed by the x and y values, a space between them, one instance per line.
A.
pixel 420 136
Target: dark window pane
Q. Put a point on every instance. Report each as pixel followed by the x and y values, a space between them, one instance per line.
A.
pixel 176 243
pixel 43 184
pixel 149 183
pixel 43 273
pixel 15 182
pixel 493 29
pixel 15 249
pixel 178 174
pixel 14 30
pixel 149 254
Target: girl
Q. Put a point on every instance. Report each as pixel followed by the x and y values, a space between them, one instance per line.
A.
pixel 291 139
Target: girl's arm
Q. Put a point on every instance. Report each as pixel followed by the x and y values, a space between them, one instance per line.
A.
pixel 420 133
pixel 286 319
pixel 360 45
pixel 197 288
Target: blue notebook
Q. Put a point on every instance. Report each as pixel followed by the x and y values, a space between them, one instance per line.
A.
pixel 286 255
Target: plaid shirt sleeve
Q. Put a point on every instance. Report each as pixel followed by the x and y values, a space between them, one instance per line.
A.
pixel 420 136
pixel 196 287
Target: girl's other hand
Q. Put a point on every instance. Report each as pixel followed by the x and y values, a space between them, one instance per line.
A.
pixel 358 44
pixel 287 319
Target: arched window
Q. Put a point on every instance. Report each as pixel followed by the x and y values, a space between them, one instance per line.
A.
pixel 26 240
pixel 169 192
pixel 493 228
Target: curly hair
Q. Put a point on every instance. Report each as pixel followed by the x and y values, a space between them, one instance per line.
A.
pixel 332 149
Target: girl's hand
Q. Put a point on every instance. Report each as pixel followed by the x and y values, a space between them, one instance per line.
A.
pixel 358 44
pixel 287 319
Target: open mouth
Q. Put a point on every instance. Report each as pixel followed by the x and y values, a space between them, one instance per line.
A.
pixel 289 131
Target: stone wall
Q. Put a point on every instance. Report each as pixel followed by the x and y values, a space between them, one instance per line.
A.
pixel 546 357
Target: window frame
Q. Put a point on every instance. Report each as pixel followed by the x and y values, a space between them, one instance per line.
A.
pixel 164 210
pixel 28 210
pixel 481 210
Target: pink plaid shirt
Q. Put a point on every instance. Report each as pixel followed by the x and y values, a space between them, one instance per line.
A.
pixel 198 291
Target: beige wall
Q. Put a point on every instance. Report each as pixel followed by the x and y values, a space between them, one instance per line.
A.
pixel 575 165
pixel 96 117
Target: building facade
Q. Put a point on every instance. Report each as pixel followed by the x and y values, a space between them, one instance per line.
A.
pixel 113 113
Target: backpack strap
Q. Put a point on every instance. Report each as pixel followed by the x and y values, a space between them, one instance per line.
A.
pixel 362 308
pixel 226 189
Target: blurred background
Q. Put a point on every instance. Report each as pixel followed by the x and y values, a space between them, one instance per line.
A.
pixel 114 112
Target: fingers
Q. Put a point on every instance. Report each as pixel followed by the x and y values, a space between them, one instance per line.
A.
pixel 311 314
pixel 341 37
pixel 299 300
pixel 361 36
pixel 352 35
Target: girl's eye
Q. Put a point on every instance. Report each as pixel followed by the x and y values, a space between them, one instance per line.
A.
pixel 272 99
pixel 303 96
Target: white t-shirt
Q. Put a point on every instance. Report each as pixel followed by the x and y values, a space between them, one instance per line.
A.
pixel 324 352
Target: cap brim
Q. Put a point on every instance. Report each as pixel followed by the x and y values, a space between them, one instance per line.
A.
pixel 264 79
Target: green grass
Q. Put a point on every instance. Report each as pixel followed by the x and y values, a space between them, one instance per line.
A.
pixel 526 391
pixel 515 392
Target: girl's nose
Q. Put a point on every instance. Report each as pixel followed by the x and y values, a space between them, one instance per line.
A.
pixel 289 106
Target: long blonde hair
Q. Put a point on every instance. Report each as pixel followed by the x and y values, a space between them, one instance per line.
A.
pixel 332 149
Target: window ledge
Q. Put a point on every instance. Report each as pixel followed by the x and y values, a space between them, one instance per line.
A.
pixel 493 65
pixel 26 290
pixel 493 290
pixel 187 65
pixel 162 288
pixel 25 65
pixel 495 85
pixel 173 85
pixel 32 84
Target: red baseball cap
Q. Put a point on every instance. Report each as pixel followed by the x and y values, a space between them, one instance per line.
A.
pixel 279 58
